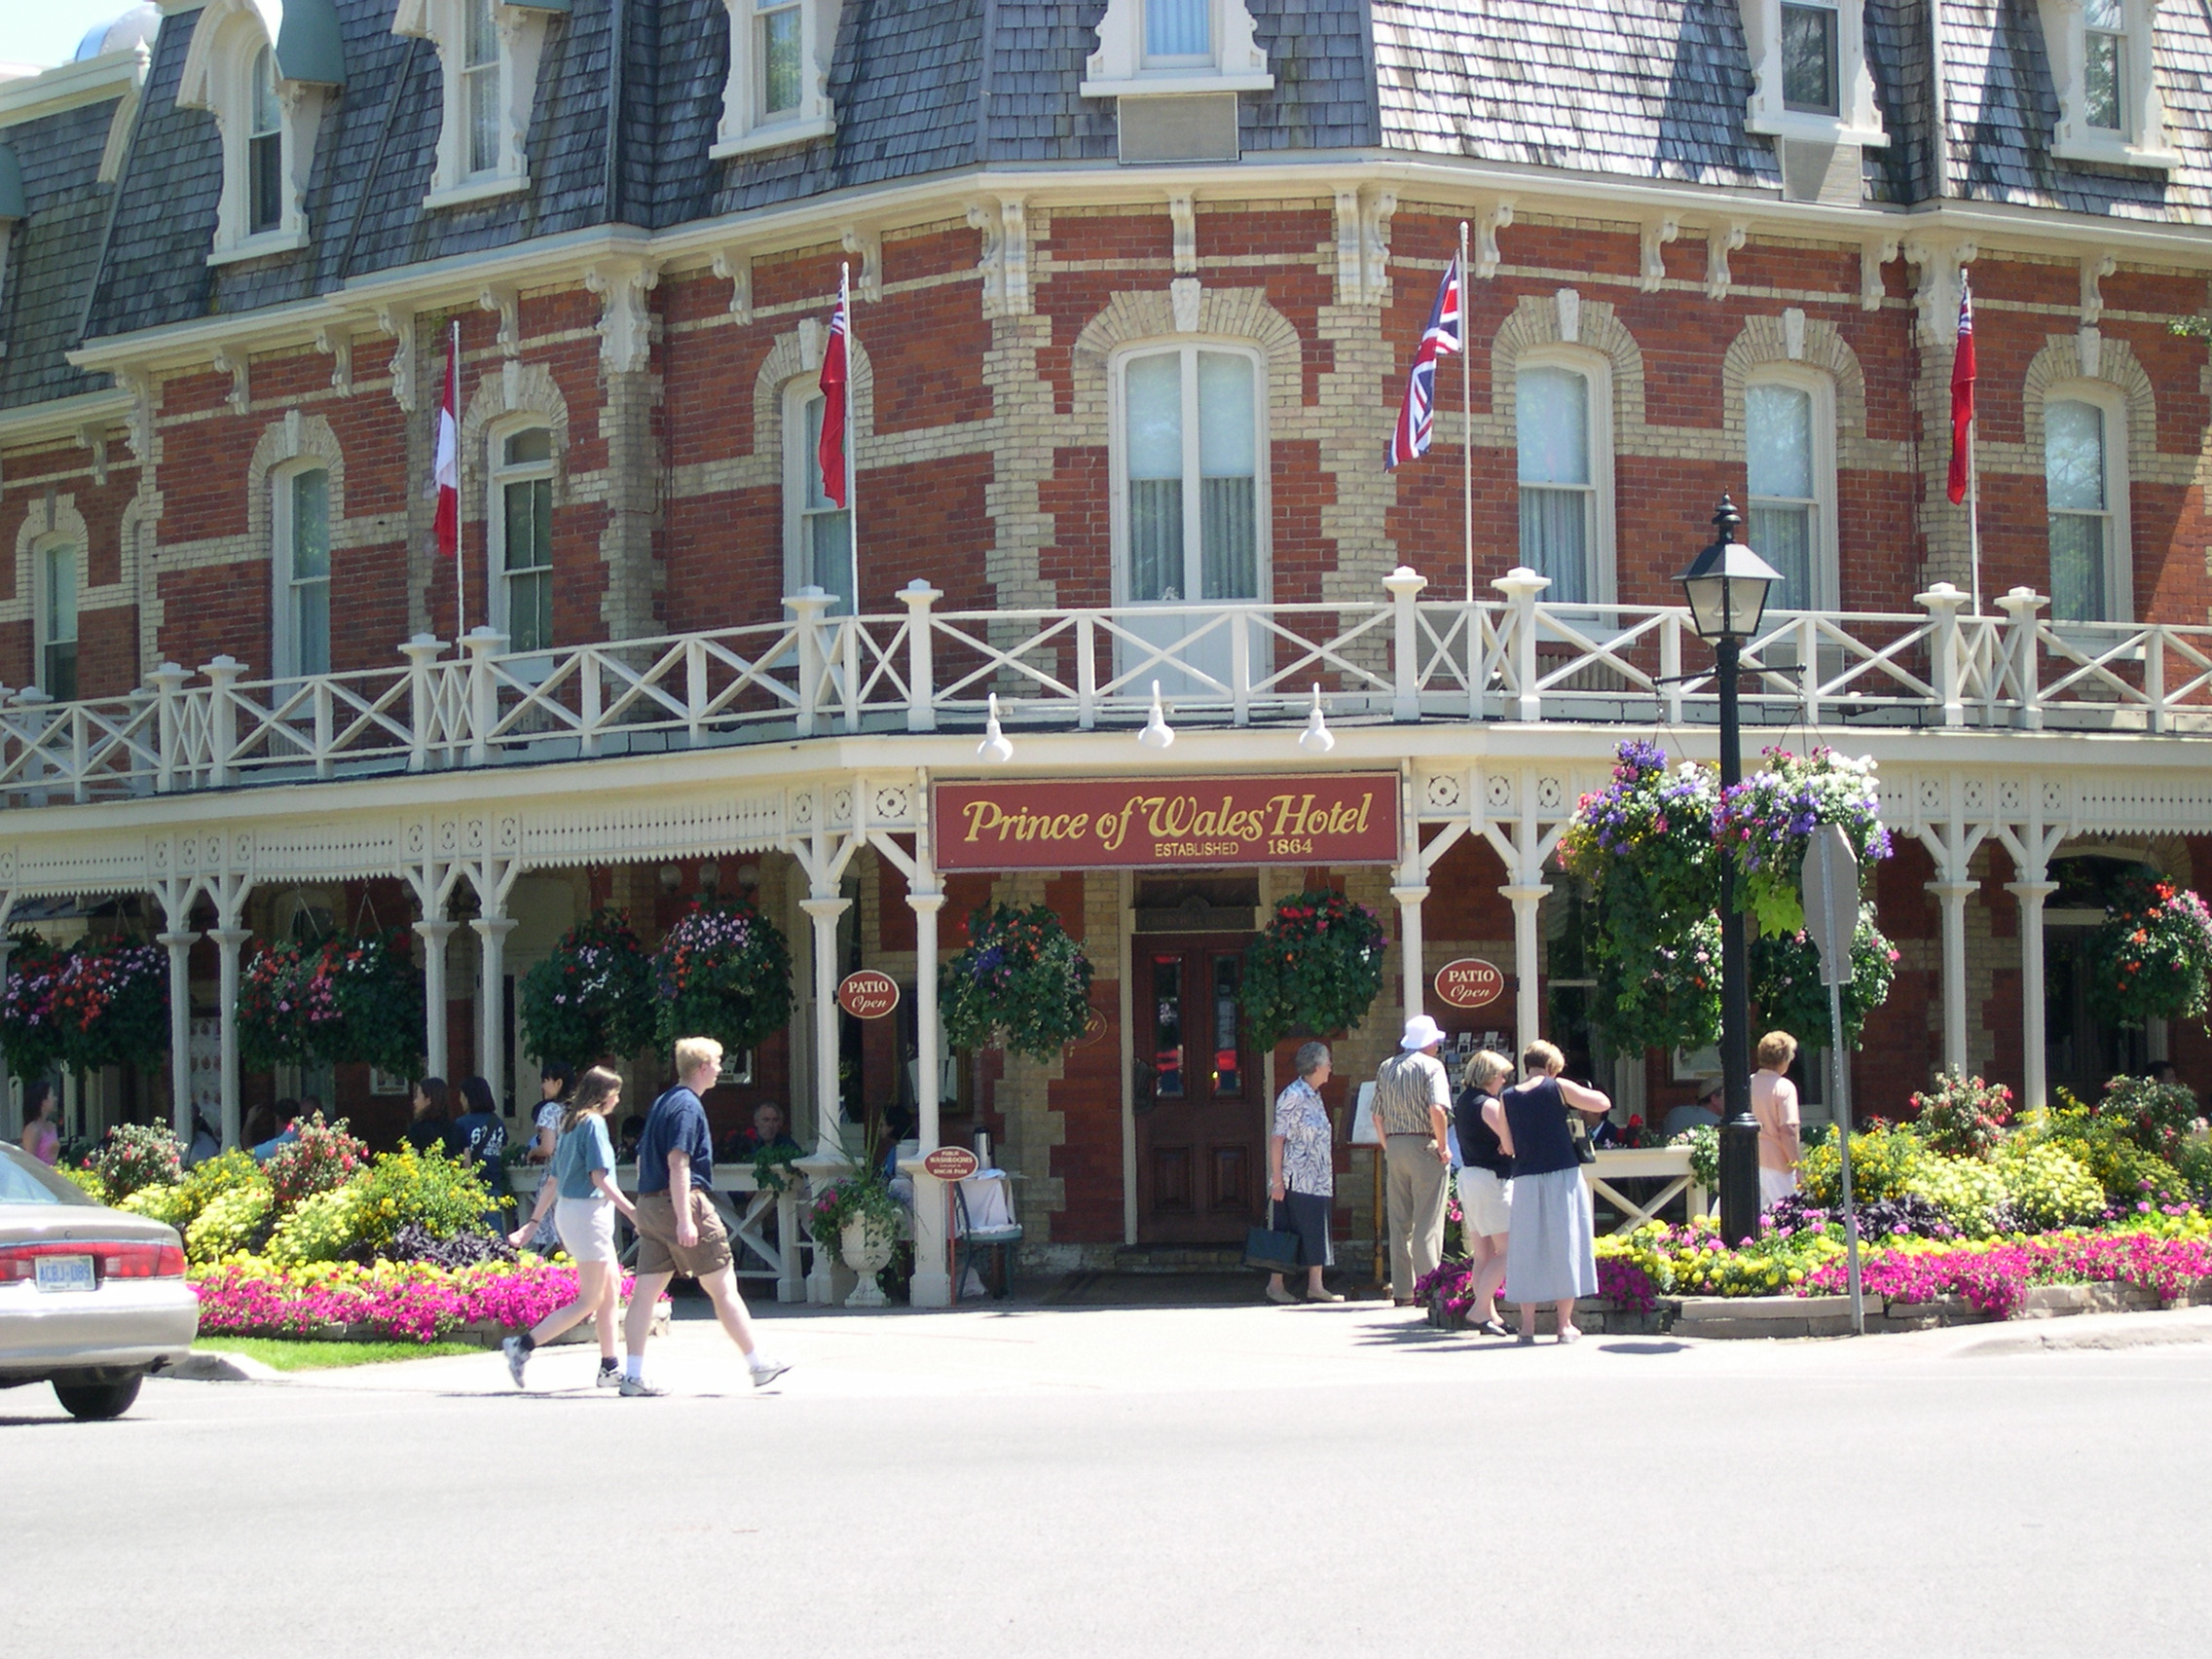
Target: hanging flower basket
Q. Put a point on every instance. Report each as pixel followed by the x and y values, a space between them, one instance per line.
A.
pixel 347 999
pixel 1785 982
pixel 1766 822
pixel 592 998
pixel 1317 967
pixel 1022 983
pixel 1668 996
pixel 724 971
pixel 97 1003
pixel 2152 957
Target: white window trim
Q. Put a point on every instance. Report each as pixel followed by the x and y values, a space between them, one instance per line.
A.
pixel 744 128
pixel 1118 461
pixel 284 641
pixel 42 602
pixel 799 462
pixel 522 46
pixel 218 77
pixel 1605 584
pixel 1828 563
pixel 1859 117
pixel 2119 545
pixel 1117 69
pixel 2141 141
pixel 497 475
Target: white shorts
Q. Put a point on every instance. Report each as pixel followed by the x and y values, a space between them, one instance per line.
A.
pixel 1774 1185
pixel 1485 1203
pixel 586 1227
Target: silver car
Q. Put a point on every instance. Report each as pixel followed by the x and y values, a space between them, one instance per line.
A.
pixel 90 1298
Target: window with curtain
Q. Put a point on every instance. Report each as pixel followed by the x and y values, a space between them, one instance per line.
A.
pixel 264 150
pixel 522 587
pixel 1177 32
pixel 1558 488
pixel 58 622
pixel 1785 525
pixel 1190 451
pixel 781 34
pixel 2103 63
pixel 2078 496
pixel 480 86
pixel 304 648
pixel 825 529
pixel 1808 58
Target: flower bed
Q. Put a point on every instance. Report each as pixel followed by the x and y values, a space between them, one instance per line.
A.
pixel 409 1300
pixel 1995 1277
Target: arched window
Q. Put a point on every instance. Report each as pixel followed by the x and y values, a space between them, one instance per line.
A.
pixel 266 72
pixel 1789 463
pixel 300 556
pixel 776 91
pixel 1562 431
pixel 1190 482
pixel 520 518
pixel 265 148
pixel 817 534
pixel 54 575
pixel 2084 469
pixel 480 86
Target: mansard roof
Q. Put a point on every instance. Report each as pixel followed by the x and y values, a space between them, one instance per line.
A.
pixel 54 251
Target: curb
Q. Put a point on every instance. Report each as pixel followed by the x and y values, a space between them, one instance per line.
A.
pixel 2091 1334
pixel 211 1365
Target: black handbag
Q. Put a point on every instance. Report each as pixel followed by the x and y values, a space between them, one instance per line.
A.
pixel 1578 1131
pixel 1271 1251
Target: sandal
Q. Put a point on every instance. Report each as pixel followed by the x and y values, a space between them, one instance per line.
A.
pixel 1492 1328
pixel 1572 1333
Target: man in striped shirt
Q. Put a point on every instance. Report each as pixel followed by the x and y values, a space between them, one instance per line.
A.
pixel 1413 1106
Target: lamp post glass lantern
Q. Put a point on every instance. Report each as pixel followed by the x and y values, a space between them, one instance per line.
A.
pixel 1725 588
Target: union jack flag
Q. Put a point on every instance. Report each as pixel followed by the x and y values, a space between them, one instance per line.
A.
pixel 1443 338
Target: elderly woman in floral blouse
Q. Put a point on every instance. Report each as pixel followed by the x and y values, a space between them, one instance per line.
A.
pixel 1300 1172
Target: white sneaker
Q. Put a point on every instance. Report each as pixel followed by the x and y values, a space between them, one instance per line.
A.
pixel 765 1371
pixel 610 1377
pixel 518 1356
pixel 636 1387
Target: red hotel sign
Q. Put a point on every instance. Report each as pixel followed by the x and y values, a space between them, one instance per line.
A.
pixel 1116 823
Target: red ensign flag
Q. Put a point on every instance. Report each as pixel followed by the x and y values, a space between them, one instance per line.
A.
pixel 1961 397
pixel 829 453
pixel 447 471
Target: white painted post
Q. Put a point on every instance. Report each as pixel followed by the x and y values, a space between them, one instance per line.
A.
pixel 1521 586
pixel 167 681
pixel 1405 587
pixel 435 935
pixel 1942 603
pixel 1953 896
pixel 422 654
pixel 2154 677
pixel 828 1140
pixel 180 1030
pixel 484 644
pixel 1086 671
pixel 591 704
pixel 2034 1084
pixel 933 1279
pixel 222 718
pixel 694 688
pixel 921 688
pixel 1528 1009
pixel 229 942
pixel 1411 946
pixel 808 605
pixel 2020 607
pixel 491 999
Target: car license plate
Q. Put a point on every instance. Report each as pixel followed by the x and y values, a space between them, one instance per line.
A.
pixel 65 1273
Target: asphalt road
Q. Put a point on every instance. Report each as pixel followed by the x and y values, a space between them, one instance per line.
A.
pixel 1176 1482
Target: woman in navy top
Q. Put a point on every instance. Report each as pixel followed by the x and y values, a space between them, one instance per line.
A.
pixel 1552 1251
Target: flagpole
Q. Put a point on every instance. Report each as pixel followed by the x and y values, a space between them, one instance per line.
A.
pixel 1466 426
pixel 852 442
pixel 1973 516
pixel 460 546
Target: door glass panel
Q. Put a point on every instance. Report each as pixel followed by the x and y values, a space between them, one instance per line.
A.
pixel 1167 1027
pixel 1228 1074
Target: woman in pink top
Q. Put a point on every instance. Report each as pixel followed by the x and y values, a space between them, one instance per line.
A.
pixel 41 1139
pixel 1774 1103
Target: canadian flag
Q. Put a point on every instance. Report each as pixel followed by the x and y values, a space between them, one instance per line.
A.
pixel 829 453
pixel 446 472
pixel 1962 397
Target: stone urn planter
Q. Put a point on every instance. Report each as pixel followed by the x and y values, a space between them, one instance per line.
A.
pixel 865 1245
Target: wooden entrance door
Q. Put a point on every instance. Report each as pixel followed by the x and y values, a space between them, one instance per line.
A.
pixel 1201 1161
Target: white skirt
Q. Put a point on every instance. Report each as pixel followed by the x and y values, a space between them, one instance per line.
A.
pixel 586 1227
pixel 1774 1185
pixel 1551 1254
pixel 1486 1202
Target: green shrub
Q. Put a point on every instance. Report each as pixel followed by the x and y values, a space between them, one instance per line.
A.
pixel 94 1188
pixel 2194 1167
pixel 321 1228
pixel 1961 1116
pixel 1969 1193
pixel 1883 1161
pixel 163 1202
pixel 228 1222
pixel 2106 1146
pixel 2048 1185
pixel 324 1156
pixel 2155 1116
pixel 427 1189
pixel 131 1156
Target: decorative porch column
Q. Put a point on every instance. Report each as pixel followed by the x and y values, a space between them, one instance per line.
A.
pixel 933 1280
pixel 1411 947
pixel 229 942
pixel 828 1143
pixel 435 935
pixel 10 1088
pixel 491 1002
pixel 2034 1054
pixel 181 1031
pixel 1953 896
pixel 1528 1008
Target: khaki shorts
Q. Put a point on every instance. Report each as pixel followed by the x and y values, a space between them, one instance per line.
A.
pixel 658 1252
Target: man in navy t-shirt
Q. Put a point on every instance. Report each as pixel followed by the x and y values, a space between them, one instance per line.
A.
pixel 679 1229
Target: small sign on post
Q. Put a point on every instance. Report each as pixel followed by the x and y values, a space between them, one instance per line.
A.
pixel 1470 982
pixel 867 994
pixel 1829 881
pixel 952 1163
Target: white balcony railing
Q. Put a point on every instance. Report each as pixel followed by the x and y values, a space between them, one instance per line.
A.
pixel 1401 658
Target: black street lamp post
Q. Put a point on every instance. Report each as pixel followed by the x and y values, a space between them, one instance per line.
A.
pixel 1726 588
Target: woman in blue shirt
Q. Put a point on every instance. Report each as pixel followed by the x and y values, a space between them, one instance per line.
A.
pixel 583 1198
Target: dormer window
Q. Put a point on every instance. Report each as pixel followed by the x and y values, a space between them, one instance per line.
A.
pixel 1810 80
pixel 1808 59
pixel 778 90
pixel 1178 35
pixel 264 70
pixel 488 53
pixel 1175 48
pixel 2109 110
